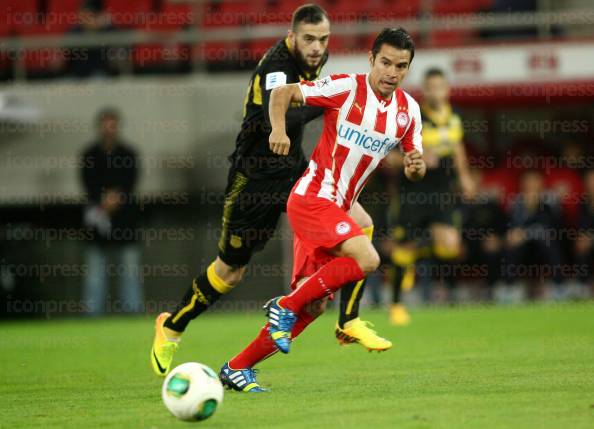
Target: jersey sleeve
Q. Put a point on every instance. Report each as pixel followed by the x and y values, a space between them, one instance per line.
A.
pixel 277 74
pixel 329 92
pixel 412 139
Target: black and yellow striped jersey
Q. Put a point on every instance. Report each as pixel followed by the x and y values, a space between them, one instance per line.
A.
pixel 442 133
pixel 252 155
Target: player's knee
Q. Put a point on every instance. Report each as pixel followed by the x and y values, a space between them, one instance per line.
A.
pixel 447 249
pixel 447 245
pixel 362 218
pixel 368 261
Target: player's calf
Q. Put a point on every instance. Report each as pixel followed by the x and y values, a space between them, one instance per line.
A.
pixel 218 280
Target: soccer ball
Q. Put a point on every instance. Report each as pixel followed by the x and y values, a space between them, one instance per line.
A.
pixel 192 391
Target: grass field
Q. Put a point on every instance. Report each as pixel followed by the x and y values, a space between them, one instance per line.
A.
pixel 518 367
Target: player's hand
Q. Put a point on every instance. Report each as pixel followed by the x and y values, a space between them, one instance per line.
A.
pixel 111 201
pixel 414 166
pixel 279 142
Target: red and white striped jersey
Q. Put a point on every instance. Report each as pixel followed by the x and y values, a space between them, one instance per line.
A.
pixel 360 129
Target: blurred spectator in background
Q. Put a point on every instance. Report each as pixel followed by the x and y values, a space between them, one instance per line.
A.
pixel 532 243
pixel 94 61
pixel 565 180
pixel 109 175
pixel 484 229
pixel 584 245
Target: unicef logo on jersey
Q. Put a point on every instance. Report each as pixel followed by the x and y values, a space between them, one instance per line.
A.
pixel 368 142
pixel 343 228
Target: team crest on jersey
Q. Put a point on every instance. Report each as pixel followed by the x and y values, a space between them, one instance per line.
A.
pixel 235 242
pixel 323 82
pixel 343 228
pixel 402 119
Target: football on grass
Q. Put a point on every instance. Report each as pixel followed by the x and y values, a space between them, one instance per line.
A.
pixel 192 391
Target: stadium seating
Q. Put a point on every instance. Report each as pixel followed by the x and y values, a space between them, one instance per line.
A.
pixel 130 13
pixel 59 16
pixel 171 18
pixel 63 14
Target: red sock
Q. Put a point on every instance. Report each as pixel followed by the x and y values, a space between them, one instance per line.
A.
pixel 263 346
pixel 326 280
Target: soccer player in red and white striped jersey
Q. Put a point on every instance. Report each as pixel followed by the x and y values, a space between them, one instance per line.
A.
pixel 366 116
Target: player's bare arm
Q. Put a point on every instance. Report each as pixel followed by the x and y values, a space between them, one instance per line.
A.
pixel 280 100
pixel 414 166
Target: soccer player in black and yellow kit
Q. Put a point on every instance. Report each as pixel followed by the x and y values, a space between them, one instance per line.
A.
pixel 258 185
pixel 425 209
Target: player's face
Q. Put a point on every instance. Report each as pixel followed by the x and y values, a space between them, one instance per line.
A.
pixel 436 90
pixel 109 127
pixel 389 67
pixel 532 184
pixel 310 42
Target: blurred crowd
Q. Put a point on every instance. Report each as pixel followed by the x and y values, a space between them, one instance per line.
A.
pixel 527 233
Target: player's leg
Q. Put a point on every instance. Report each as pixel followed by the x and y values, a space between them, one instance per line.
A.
pixel 206 289
pixel 218 279
pixel 235 373
pixel 403 259
pixel 447 241
pixel 403 251
pixel 350 294
pixel 354 259
pixel 447 247
pixel 248 223
pixel 350 328
pixel 242 234
pixel 131 293
pixel 95 283
pixel 338 253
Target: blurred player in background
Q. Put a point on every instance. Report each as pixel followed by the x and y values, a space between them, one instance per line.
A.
pixel 366 117
pixel 425 211
pixel 259 183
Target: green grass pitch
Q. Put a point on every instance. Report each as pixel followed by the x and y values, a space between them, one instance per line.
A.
pixel 470 367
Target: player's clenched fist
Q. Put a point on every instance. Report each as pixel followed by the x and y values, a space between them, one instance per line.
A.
pixel 414 166
pixel 279 142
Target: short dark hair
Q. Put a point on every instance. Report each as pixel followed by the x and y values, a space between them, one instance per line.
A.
pixel 396 37
pixel 434 72
pixel 308 13
pixel 108 113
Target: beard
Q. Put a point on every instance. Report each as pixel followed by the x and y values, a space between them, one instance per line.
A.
pixel 303 64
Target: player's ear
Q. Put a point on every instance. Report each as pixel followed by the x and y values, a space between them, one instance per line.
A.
pixel 291 36
pixel 371 58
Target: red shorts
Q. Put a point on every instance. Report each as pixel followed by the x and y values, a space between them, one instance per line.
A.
pixel 318 226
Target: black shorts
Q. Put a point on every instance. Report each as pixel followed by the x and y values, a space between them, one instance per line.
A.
pixel 250 215
pixel 416 212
